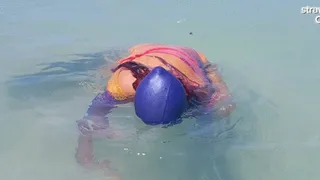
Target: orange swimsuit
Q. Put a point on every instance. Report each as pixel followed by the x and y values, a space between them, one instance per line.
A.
pixel 198 75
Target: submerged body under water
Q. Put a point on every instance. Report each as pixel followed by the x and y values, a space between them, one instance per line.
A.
pixel 140 151
pixel 267 52
pixel 50 101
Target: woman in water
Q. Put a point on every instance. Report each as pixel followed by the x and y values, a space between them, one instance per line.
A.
pixel 203 86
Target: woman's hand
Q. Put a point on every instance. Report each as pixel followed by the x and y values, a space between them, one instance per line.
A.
pixel 84 151
pixel 96 126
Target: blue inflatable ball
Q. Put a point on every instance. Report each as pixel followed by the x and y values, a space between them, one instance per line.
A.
pixel 160 98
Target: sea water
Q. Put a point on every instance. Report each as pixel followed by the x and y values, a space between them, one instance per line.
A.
pixel 267 51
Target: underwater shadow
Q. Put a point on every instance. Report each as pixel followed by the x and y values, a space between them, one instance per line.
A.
pixel 61 75
pixel 244 126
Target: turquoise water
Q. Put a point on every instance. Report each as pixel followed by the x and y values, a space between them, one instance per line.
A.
pixel 267 52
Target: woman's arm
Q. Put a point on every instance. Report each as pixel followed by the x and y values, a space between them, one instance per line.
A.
pixel 95 122
pixel 119 90
pixel 221 99
pixel 85 157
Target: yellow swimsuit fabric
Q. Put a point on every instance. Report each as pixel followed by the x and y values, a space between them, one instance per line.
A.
pixel 114 88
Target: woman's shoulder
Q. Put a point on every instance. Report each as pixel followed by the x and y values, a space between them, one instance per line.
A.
pixel 120 84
